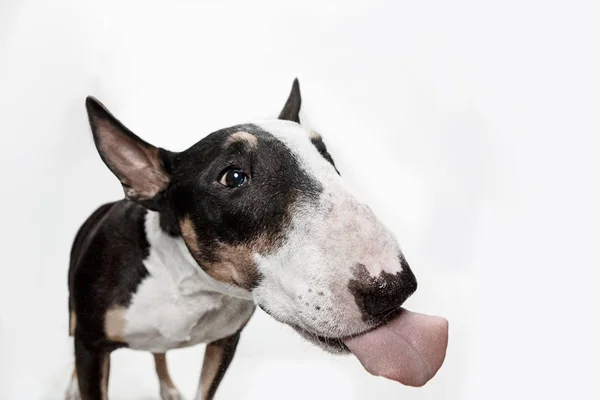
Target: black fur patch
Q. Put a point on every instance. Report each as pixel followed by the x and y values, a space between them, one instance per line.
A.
pixel 320 145
pixel 168 223
pixel 235 216
pixel 106 264
pixel 379 297
pixel 291 109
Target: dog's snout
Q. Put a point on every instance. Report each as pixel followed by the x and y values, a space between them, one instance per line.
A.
pixel 378 296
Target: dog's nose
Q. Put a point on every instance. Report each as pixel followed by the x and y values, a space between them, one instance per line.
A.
pixel 378 296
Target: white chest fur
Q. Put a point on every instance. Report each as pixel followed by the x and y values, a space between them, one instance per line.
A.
pixel 178 304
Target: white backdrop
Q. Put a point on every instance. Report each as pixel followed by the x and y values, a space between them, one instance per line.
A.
pixel 471 128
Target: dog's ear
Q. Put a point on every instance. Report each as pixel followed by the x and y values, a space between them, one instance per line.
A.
pixel 141 168
pixel 291 109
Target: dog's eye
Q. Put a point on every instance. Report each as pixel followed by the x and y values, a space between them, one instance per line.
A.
pixel 234 178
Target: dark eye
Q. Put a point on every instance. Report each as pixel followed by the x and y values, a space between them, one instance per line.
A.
pixel 234 178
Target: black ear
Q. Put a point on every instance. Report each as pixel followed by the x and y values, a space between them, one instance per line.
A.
pixel 291 110
pixel 139 166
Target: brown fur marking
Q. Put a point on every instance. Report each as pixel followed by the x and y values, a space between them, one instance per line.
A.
pixel 105 376
pixel 189 235
pixel 244 137
pixel 114 324
pixel 213 357
pixel 235 264
pixel 72 323
pixel 162 370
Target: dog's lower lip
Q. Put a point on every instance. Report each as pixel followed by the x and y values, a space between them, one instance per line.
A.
pixel 387 318
pixel 384 320
pixel 324 340
pixel 339 341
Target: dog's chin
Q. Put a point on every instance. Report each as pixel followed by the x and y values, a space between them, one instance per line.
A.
pixel 330 345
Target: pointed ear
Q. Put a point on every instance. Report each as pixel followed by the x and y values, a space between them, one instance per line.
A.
pixel 139 166
pixel 291 109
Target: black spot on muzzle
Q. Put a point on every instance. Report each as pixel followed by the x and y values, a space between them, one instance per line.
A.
pixel 378 297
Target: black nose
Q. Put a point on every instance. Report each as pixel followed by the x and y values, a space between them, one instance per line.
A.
pixel 377 296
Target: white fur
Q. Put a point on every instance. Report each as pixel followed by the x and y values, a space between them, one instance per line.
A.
pixel 72 392
pixel 169 393
pixel 178 304
pixel 297 139
pixel 305 282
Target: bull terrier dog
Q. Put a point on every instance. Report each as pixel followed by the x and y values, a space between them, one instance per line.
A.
pixel 251 215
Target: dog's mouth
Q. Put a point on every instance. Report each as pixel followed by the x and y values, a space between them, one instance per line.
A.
pixel 336 344
pixel 409 348
pixel 332 345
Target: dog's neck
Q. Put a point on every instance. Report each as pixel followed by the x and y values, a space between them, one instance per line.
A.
pixel 168 223
pixel 170 257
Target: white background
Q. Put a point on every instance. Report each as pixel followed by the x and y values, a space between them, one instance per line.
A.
pixel 471 127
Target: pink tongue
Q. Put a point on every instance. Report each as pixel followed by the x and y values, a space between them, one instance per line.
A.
pixel 409 349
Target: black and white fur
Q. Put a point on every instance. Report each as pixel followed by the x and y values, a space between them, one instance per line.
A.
pixel 254 214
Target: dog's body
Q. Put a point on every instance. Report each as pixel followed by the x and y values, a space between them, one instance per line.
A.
pixel 160 299
pixel 255 214
pixel 148 293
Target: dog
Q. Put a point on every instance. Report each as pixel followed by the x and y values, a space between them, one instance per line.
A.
pixel 251 215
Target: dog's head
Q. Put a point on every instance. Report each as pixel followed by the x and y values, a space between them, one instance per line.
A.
pixel 263 207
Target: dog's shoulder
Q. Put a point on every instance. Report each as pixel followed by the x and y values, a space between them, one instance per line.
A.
pixel 107 256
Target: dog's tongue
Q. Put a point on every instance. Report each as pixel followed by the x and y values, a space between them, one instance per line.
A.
pixel 409 349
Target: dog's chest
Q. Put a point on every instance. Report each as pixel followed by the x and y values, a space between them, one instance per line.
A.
pixel 161 318
pixel 178 305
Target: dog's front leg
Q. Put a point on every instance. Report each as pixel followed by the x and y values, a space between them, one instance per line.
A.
pixel 93 368
pixel 217 358
pixel 168 391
